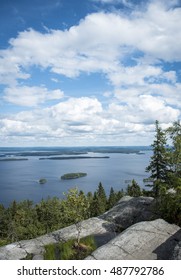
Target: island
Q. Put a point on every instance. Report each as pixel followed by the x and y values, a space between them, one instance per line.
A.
pixel 42 181
pixel 12 159
pixel 74 157
pixel 69 176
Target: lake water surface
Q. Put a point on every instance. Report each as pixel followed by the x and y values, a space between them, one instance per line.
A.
pixel 19 179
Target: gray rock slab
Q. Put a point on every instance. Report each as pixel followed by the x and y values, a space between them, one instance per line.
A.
pixel 93 226
pixel 12 251
pixel 143 241
pixel 131 210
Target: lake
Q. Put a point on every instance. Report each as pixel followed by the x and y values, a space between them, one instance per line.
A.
pixel 112 166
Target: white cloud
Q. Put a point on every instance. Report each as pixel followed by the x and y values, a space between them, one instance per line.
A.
pixel 31 96
pixel 130 50
pixel 124 2
pixel 99 42
pixel 84 121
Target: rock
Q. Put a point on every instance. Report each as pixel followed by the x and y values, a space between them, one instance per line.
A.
pixel 12 252
pixel 177 251
pixel 101 229
pixel 143 241
pixel 38 257
pixel 131 210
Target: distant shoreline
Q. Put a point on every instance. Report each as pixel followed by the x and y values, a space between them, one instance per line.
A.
pixel 73 157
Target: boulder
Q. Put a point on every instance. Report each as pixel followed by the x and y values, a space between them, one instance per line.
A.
pixel 147 240
pixel 131 210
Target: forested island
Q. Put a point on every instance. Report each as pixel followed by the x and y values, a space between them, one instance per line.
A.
pixel 73 157
pixel 69 176
pixel 12 159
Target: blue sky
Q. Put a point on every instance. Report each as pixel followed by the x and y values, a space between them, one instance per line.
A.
pixel 88 72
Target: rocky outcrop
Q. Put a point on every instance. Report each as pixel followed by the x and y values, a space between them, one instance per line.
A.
pixel 143 241
pixel 103 230
pixel 141 236
pixel 131 210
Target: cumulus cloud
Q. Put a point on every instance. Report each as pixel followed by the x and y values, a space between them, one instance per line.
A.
pixel 98 42
pixel 129 50
pixel 84 120
pixel 31 96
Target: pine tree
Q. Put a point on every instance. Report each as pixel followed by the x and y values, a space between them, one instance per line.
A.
pixel 174 155
pixel 94 209
pixel 102 199
pixel 158 163
pixel 112 199
pixel 174 133
pixel 134 189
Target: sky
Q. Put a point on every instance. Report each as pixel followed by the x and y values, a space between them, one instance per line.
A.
pixel 88 72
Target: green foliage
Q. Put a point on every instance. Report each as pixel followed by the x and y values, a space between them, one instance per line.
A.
pixel 174 154
pixel 169 206
pixel 24 220
pixel 49 214
pixel 98 203
pixel 69 250
pixel 73 175
pixel 158 162
pixel 101 199
pixel 165 168
pixel 134 189
pixel 42 181
pixel 112 198
pixel 75 209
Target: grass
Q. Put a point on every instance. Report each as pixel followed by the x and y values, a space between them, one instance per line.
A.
pixel 4 242
pixel 70 250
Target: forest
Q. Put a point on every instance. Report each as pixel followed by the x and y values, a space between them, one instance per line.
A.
pixel 26 220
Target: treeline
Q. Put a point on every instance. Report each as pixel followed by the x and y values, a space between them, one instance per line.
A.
pixel 25 220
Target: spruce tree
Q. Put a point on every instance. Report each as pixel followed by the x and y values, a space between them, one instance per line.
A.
pixel 174 133
pixel 158 162
pixel 102 199
pixel 134 189
pixel 112 199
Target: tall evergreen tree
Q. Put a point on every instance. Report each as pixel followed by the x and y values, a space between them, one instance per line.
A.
pixel 134 189
pixel 158 162
pixel 174 133
pixel 174 155
pixel 102 199
pixel 112 199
